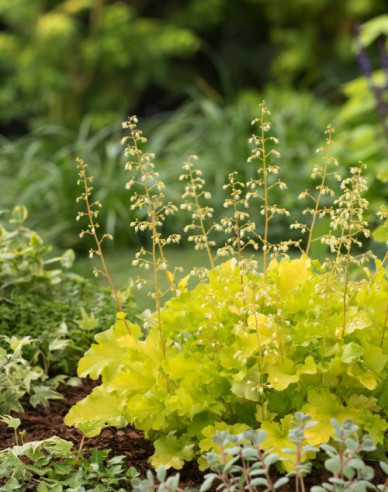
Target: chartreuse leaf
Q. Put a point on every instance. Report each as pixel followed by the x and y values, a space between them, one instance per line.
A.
pixel 179 365
pixel 182 284
pixel 105 357
pixel 207 444
pixel 383 395
pixel 248 389
pixel 187 401
pixel 291 273
pixel 363 402
pixel 148 412
pixel 136 377
pixel 244 346
pixel 352 351
pixel 263 325
pixel 323 406
pixel 374 358
pixel 97 410
pixel 277 440
pixel 172 452
pixel 284 373
pixel 365 377
pixel 374 425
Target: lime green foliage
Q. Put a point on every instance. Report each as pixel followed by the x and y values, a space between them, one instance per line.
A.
pixel 288 356
pixel 44 303
pixel 244 348
pixel 19 378
pixel 53 464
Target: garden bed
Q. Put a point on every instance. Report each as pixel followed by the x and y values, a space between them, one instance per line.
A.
pixel 41 423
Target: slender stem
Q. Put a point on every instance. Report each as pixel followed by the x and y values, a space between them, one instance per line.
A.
pixel 379 269
pixel 265 468
pixel 155 235
pixel 384 327
pixel 344 302
pixel 147 191
pixel 258 337
pixel 99 249
pixel 346 285
pixel 237 229
pixel 225 478
pixel 15 432
pixel 317 203
pixel 261 362
pixel 81 444
pixel 280 341
pixel 298 476
pixel 265 182
pixel 246 475
pixel 156 282
pixel 152 211
pixel 326 314
pixel 202 225
pixel 239 252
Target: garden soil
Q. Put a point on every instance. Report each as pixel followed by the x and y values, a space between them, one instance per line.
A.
pixel 41 423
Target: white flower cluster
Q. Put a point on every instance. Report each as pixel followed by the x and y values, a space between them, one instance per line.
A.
pixel 200 214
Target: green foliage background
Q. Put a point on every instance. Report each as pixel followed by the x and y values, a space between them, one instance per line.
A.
pixel 72 70
pixel 62 59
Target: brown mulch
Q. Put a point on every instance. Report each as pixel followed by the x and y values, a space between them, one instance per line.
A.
pixel 41 423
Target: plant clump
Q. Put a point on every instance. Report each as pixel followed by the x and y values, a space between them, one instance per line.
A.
pixel 248 346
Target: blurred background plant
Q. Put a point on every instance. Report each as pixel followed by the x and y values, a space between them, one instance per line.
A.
pixel 194 72
pixel 363 119
pixel 63 59
pixel 42 174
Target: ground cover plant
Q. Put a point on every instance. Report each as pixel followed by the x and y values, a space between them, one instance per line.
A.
pixel 247 347
pixel 238 463
pixel 40 303
pixel 53 464
pixel 18 378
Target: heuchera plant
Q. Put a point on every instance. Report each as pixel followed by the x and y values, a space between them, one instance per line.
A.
pixel 246 348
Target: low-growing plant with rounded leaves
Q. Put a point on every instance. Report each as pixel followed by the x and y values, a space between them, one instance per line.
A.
pixel 244 348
